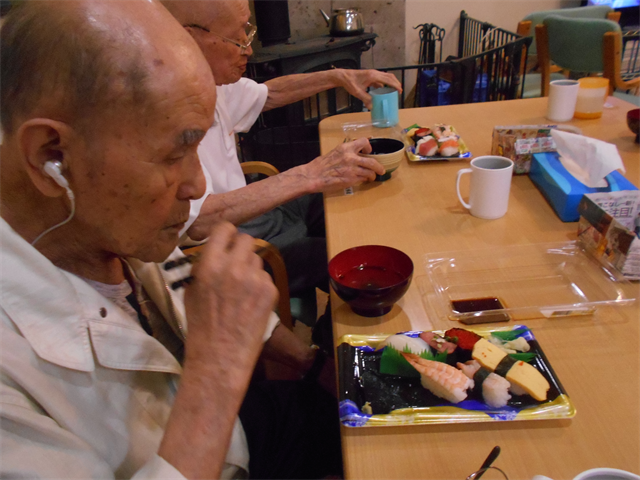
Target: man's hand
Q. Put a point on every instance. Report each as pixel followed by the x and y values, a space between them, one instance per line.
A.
pixel 356 82
pixel 227 306
pixel 230 300
pixel 342 167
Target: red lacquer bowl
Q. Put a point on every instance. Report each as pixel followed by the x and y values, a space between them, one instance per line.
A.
pixel 370 278
pixel 633 121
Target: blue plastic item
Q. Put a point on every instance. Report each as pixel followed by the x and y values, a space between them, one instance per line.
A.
pixel 430 95
pixel 430 98
pixel 562 190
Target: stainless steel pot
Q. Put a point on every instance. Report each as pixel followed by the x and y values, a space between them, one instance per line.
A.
pixel 344 22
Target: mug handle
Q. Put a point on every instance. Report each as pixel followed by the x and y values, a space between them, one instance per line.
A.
pixel 385 112
pixel 460 173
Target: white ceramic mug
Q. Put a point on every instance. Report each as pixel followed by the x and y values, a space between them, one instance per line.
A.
pixel 563 95
pixel 490 186
pixel 606 474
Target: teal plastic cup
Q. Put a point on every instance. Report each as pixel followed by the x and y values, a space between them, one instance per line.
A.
pixel 384 111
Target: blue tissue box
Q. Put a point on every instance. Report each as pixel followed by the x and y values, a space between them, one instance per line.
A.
pixel 562 190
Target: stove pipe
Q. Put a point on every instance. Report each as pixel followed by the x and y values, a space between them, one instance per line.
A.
pixel 272 20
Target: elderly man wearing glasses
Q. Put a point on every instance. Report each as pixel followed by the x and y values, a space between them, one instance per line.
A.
pixel 286 209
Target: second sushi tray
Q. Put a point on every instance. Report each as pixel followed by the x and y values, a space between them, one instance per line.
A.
pixel 480 374
pixel 441 142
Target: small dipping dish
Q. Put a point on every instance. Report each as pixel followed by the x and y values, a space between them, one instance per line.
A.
pixel 387 151
pixel 370 278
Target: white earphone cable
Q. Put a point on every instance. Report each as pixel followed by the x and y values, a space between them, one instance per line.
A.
pixel 73 211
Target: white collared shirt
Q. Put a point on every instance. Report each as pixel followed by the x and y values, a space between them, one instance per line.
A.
pixel 84 391
pixel 238 106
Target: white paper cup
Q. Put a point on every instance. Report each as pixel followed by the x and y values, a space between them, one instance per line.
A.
pixel 563 95
pixel 490 186
pixel 606 474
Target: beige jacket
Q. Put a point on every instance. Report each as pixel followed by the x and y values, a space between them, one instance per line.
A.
pixel 84 391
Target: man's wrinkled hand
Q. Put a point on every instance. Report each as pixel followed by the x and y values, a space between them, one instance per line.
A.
pixel 230 300
pixel 344 167
pixel 356 83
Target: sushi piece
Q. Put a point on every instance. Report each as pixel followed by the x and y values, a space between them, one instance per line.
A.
pixel 392 362
pixel 494 388
pixel 420 134
pixel 442 131
pixel 465 339
pixel 438 343
pixel 404 343
pixel 442 380
pixel 427 146
pixel 412 131
pixel 521 375
pixel 448 146
pixel 469 368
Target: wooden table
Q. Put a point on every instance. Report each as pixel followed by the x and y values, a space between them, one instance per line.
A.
pixel 595 357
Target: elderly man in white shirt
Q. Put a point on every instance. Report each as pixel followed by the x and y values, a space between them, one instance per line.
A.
pixel 103 105
pixel 287 209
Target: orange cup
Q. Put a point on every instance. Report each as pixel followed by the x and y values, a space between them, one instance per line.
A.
pixel 592 94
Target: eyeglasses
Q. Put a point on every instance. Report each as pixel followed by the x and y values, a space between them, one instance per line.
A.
pixel 249 30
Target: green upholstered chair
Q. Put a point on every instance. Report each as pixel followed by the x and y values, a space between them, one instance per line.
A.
pixel 585 46
pixel 527 27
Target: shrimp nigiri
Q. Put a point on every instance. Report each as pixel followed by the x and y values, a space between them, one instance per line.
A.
pixel 442 380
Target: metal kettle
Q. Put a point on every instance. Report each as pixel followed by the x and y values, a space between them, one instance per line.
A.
pixel 344 22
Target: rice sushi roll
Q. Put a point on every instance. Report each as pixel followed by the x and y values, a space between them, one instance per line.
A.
pixel 494 388
pixel 442 380
pixel 448 146
pixel 427 146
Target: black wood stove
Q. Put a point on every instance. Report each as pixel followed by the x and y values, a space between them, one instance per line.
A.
pixel 288 136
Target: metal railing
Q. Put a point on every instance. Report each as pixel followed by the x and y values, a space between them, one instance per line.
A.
pixel 630 61
pixel 489 67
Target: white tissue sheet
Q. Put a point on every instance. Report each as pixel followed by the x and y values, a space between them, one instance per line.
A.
pixel 587 159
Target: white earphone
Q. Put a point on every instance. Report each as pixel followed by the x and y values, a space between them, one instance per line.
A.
pixel 53 168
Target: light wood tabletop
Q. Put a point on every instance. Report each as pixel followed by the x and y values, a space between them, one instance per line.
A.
pixel 596 357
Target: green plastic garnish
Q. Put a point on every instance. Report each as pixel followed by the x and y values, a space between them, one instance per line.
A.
pixel 523 356
pixel 393 363
pixel 509 335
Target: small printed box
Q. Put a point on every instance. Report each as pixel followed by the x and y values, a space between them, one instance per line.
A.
pixel 562 190
pixel 609 227
pixel 520 142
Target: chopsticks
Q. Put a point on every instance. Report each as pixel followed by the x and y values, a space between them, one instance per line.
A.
pixel 192 258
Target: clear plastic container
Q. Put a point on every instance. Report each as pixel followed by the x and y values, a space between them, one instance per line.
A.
pixel 519 282
pixel 592 94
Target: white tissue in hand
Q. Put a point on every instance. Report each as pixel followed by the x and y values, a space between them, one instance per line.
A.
pixel 587 159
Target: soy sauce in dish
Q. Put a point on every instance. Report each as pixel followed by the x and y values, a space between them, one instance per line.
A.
pixel 472 305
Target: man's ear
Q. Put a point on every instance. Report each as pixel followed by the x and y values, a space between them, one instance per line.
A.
pixel 43 140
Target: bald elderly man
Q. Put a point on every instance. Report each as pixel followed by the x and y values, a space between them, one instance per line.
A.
pixel 287 209
pixel 103 105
